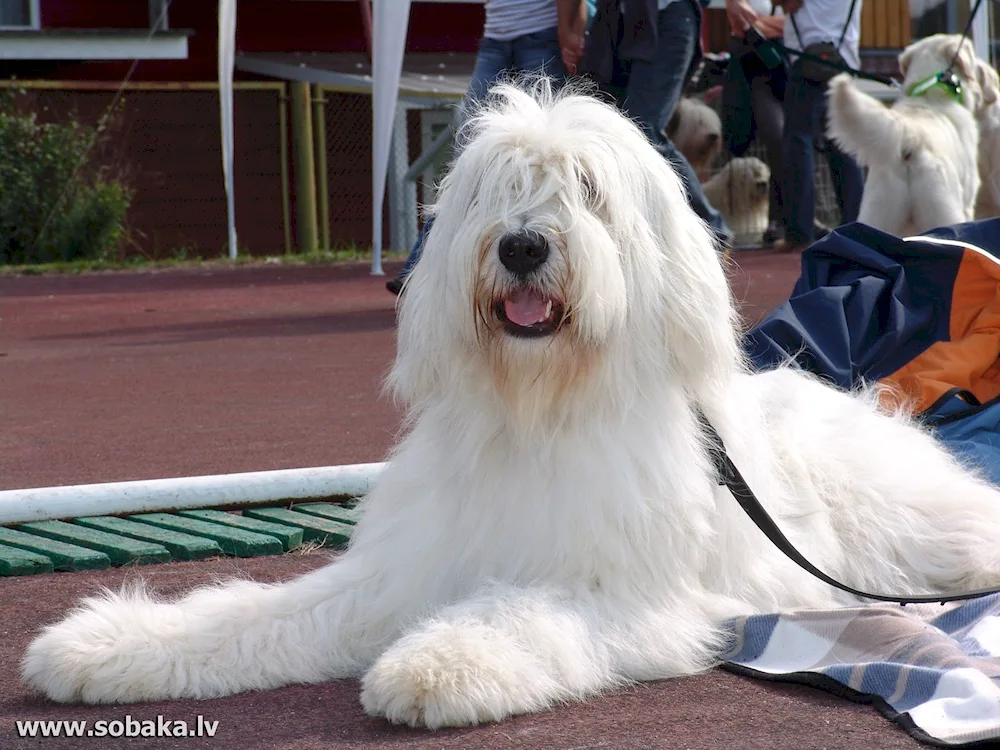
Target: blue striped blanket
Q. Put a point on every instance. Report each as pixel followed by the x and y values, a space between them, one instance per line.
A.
pixel 934 670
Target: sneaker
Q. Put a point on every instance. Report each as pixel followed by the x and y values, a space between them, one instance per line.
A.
pixel 394 285
pixel 772 234
pixel 788 246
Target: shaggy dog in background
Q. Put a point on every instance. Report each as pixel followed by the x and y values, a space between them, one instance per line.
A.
pixel 696 130
pixel 922 153
pixel 740 190
pixel 988 115
pixel 552 525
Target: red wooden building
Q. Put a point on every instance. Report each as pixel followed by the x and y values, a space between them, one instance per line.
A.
pixel 76 55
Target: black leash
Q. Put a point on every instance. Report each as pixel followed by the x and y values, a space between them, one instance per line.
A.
pixel 965 35
pixel 836 66
pixel 731 477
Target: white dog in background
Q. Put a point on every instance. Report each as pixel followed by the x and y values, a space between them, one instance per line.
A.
pixel 696 130
pixel 741 192
pixel 927 56
pixel 552 526
pixel 988 115
pixel 922 153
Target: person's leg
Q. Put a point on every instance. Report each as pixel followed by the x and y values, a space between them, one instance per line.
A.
pixel 737 110
pixel 539 53
pixel 848 179
pixel 801 108
pixel 770 119
pixel 494 57
pixel 654 88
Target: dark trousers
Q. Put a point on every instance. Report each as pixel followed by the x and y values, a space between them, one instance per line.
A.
pixel 805 122
pixel 648 91
pixel 752 109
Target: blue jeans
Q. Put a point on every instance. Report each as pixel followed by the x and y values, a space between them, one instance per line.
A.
pixel 805 120
pixel 649 91
pixel 531 53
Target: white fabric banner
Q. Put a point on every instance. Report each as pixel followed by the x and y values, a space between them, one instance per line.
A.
pixel 390 19
pixel 227 62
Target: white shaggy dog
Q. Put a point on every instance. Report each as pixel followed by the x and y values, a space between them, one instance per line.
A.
pixel 552 527
pixel 696 130
pixel 988 201
pixel 922 153
pixel 741 192
pixel 930 54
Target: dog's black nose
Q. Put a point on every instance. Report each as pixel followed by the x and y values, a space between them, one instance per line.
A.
pixel 523 251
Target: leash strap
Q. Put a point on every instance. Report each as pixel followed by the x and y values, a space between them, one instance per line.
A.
pixel 729 476
pixel 836 66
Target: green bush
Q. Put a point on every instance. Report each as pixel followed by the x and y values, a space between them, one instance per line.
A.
pixel 55 204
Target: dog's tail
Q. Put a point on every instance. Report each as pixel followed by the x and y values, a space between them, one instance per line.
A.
pixel 130 646
pixel 862 126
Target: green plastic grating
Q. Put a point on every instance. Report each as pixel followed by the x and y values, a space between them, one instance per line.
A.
pixel 314 528
pixel 232 541
pixel 289 536
pixel 120 549
pixel 20 562
pixel 180 545
pixel 63 556
pixel 98 542
pixel 330 511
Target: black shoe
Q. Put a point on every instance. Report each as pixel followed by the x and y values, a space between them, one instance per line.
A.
pixel 394 285
pixel 772 234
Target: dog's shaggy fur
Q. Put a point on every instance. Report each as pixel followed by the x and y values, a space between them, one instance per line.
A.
pixel 922 153
pixel 696 130
pixel 741 192
pixel 551 526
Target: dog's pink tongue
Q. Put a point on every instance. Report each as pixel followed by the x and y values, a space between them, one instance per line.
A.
pixel 525 308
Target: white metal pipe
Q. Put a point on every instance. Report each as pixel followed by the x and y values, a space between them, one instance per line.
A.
pixel 221 490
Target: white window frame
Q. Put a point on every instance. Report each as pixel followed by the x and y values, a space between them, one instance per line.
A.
pixel 35 14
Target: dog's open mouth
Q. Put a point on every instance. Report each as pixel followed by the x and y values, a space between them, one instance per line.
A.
pixel 528 313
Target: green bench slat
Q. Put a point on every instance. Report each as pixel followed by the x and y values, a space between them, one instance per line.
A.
pixel 63 556
pixel 121 550
pixel 329 533
pixel 181 546
pixel 19 562
pixel 331 511
pixel 232 541
pixel 289 536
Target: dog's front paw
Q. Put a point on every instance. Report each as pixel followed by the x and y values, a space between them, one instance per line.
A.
pixel 454 675
pixel 104 652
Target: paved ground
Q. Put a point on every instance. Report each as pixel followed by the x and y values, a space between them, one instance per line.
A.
pixel 129 376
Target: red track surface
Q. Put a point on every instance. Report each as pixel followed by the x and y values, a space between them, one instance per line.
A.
pixel 132 376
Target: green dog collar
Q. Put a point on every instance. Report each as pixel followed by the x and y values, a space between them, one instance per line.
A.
pixel 947 82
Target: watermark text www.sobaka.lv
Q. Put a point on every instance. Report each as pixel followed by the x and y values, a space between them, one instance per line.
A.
pixel 125 727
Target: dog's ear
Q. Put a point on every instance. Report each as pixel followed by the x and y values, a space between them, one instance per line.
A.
pixel 988 81
pixel 699 315
pixel 964 54
pixel 904 61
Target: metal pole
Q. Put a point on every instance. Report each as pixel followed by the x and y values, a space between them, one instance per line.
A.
pixel 286 211
pixel 216 491
pixel 322 175
pixel 304 167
